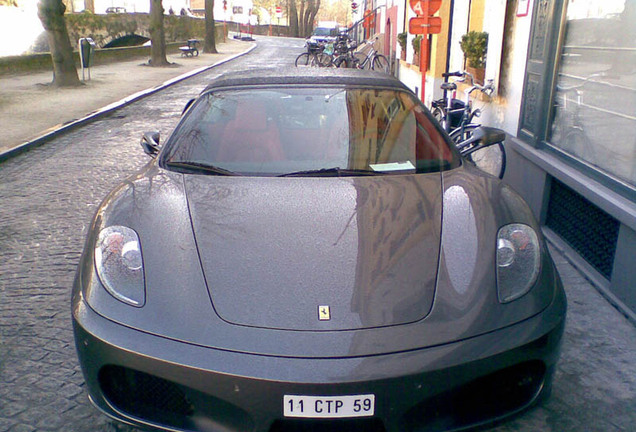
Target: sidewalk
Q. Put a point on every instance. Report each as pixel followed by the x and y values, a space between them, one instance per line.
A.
pixel 30 108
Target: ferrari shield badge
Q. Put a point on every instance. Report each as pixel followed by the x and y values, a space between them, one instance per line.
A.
pixel 324 314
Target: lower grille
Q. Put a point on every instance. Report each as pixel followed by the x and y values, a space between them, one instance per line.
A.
pixel 145 396
pixel 487 398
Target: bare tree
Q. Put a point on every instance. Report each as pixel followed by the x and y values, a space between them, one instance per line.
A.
pixel 293 18
pixel 51 13
pixel 302 14
pixel 89 5
pixel 210 28
pixel 308 16
pixel 157 35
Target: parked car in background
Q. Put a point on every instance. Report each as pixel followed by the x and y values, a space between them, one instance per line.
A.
pixel 325 32
pixel 309 251
pixel 115 10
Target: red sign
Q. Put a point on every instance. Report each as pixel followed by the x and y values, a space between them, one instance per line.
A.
pixel 369 20
pixel 419 6
pixel 354 6
pixel 425 25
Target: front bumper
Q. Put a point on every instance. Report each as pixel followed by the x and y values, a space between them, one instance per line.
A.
pixel 146 380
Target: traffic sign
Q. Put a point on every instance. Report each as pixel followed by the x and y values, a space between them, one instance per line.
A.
pixel 425 25
pixel 354 6
pixel 279 9
pixel 419 6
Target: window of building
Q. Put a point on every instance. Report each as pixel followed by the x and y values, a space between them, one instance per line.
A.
pixel 594 102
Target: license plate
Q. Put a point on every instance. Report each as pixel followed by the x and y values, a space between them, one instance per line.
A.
pixel 328 406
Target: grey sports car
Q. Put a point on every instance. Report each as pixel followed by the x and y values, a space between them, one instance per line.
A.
pixel 309 252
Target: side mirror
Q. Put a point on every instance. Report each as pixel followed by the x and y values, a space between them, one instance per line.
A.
pixel 485 149
pixel 150 143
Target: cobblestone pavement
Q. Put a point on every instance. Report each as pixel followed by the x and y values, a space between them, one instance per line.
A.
pixel 47 197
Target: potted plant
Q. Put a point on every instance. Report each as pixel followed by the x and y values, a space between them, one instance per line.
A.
pixel 401 37
pixel 416 49
pixel 474 44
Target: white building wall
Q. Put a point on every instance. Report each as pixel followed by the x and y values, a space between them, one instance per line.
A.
pixel 504 111
pixel 459 28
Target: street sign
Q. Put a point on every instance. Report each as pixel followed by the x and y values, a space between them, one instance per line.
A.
pixel 279 9
pixel 354 6
pixel 419 6
pixel 425 25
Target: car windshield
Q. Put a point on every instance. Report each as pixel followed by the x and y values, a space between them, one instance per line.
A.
pixel 307 131
pixel 324 31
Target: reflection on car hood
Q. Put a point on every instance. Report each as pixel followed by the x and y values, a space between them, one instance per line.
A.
pixel 274 250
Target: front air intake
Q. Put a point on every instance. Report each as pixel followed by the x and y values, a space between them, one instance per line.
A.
pixel 145 396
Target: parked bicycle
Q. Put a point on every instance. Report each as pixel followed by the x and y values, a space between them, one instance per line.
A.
pixel 456 116
pixel 348 57
pixel 373 59
pixel 568 129
pixel 449 110
pixel 317 55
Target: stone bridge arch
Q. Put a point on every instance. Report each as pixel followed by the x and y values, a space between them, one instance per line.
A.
pixel 117 29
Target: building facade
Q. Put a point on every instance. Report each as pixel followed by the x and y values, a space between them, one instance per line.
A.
pixel 565 78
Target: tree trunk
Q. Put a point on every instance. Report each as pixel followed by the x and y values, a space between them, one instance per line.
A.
pixel 293 19
pixel 157 36
pixel 210 28
pixel 89 5
pixel 312 16
pixel 51 13
pixel 301 19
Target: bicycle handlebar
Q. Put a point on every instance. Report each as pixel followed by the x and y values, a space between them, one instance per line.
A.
pixel 452 74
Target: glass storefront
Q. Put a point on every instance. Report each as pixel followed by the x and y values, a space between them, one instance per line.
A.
pixel 594 115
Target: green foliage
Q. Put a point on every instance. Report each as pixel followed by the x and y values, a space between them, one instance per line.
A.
pixel 416 44
pixel 474 44
pixel 401 37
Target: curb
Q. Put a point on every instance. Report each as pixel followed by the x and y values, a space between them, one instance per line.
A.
pixel 66 127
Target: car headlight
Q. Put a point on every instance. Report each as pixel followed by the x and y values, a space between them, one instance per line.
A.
pixel 518 261
pixel 120 265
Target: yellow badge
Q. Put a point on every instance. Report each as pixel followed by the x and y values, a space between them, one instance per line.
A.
pixel 324 314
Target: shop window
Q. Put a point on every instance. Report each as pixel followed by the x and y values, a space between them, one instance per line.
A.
pixel 594 101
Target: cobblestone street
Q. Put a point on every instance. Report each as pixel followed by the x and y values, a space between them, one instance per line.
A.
pixel 47 198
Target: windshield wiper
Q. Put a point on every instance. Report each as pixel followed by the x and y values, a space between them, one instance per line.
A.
pixel 200 168
pixel 331 172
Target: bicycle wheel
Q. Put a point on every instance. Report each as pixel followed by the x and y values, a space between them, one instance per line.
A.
pixel 380 63
pixel 360 61
pixel 577 143
pixel 324 60
pixel 461 134
pixel 303 60
pixel 342 61
pixel 491 159
pixel 438 113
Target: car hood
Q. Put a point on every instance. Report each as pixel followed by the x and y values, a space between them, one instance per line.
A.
pixel 276 250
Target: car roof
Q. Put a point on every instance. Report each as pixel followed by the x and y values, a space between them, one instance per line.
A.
pixel 305 77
